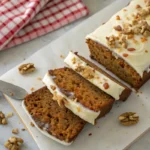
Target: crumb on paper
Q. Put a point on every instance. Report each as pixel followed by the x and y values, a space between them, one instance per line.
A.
pixel 32 124
pixel 23 129
pixel 90 134
pixel 62 56
pixel 32 89
pixel 15 131
pixel 9 115
pixel 39 78
pixel 11 94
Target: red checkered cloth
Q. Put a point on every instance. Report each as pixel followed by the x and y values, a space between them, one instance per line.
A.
pixel 24 20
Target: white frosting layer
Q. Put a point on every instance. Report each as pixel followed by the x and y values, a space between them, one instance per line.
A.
pixel 138 59
pixel 98 79
pixel 44 131
pixel 78 109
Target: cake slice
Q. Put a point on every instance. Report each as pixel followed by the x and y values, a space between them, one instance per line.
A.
pixel 122 43
pixel 77 94
pixel 57 123
pixel 97 76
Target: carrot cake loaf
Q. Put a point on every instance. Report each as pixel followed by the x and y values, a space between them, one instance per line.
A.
pixel 122 43
pixel 55 122
pixel 97 76
pixel 71 90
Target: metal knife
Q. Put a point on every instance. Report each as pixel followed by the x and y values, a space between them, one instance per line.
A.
pixel 12 91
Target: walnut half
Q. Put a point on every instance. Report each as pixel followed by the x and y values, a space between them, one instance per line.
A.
pixel 128 118
pixel 26 68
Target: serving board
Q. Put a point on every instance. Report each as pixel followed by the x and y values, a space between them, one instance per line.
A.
pixel 108 134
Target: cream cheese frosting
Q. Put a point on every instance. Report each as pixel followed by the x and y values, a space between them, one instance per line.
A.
pixel 139 59
pixel 98 79
pixel 77 108
pixel 44 132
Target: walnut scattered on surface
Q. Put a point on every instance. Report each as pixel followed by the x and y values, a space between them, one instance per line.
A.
pixel 13 143
pixel 15 131
pixel 128 118
pixel 26 68
pixel 3 120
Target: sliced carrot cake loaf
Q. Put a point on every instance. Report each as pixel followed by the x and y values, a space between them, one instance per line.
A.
pixel 122 43
pixel 97 76
pixel 57 123
pixel 77 94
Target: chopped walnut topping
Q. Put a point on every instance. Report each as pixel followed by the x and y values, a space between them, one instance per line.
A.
pixel 26 68
pixel 53 87
pixel 73 60
pixel 59 99
pixel 143 39
pixel 130 36
pixel 87 72
pixel 13 143
pixel 106 86
pixel 111 41
pixel 118 17
pixel 138 6
pixel 118 28
pixel 125 55
pixel 146 51
pixel 131 49
pixel 15 131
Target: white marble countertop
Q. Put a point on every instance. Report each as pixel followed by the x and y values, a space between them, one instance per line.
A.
pixel 14 56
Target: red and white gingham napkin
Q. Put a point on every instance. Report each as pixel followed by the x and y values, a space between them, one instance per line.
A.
pixel 24 20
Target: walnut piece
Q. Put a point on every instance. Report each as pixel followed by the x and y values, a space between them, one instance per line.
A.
pixel 128 118
pixel 26 68
pixel 3 120
pixel 13 143
pixel 118 28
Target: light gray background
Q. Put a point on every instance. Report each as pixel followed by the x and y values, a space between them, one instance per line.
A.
pixel 14 56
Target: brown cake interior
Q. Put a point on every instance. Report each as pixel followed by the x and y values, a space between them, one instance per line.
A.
pixel 86 93
pixel 57 121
